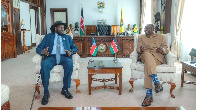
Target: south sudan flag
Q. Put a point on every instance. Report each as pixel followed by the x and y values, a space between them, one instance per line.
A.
pixel 93 48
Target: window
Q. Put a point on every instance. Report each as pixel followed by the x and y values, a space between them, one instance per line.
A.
pixel 190 28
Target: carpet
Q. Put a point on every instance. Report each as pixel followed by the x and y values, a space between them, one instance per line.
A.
pixel 18 73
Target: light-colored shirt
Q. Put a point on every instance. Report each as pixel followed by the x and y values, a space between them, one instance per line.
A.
pixel 55 44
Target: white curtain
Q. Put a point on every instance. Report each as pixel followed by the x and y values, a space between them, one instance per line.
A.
pixel 190 29
pixel 143 15
pixel 178 11
pixel 147 13
pixel 154 9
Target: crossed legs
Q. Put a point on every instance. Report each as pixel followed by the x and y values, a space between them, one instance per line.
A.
pixel 150 63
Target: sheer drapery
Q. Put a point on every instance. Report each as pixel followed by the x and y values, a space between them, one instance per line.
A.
pixel 143 15
pixel 190 28
pixel 178 12
pixel 154 10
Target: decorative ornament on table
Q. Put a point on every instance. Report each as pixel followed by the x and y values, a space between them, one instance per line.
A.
pixel 22 24
pixel 101 6
pixel 128 30
pixel 157 21
pixel 69 29
pixel 135 29
pixel 76 29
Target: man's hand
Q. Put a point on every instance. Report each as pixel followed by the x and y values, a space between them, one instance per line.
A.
pixel 159 50
pixel 45 51
pixel 141 48
pixel 68 52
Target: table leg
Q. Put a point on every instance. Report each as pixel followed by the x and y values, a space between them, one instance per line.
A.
pixel 89 83
pixel 120 83
pixel 182 76
pixel 24 43
pixel 115 78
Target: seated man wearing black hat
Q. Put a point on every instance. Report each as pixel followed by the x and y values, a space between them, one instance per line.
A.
pixel 57 49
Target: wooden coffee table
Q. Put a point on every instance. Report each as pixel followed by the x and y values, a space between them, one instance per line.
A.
pixel 104 67
pixel 187 66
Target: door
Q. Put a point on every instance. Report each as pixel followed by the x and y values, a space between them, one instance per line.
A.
pixel 17 31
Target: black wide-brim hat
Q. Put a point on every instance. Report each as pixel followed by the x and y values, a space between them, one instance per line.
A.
pixel 56 24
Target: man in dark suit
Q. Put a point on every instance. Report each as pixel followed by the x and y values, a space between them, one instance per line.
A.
pixel 58 49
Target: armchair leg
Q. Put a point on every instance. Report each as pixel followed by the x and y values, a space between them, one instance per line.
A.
pixel 77 84
pixel 173 85
pixel 6 106
pixel 131 82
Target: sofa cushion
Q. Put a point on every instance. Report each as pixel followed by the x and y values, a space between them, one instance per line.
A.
pixel 4 93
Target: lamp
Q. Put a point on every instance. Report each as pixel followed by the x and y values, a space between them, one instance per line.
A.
pixel 101 5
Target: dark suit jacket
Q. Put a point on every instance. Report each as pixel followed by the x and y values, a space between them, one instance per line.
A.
pixel 48 41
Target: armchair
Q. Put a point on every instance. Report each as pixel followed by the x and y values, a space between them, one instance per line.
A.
pixel 57 72
pixel 165 72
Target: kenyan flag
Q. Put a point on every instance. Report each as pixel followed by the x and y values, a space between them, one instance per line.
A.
pixel 82 32
pixel 114 47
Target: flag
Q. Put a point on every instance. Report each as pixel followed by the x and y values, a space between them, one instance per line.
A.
pixel 114 47
pixel 93 48
pixel 135 29
pixel 82 32
pixel 122 22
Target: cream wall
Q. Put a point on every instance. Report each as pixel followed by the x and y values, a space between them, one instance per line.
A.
pixel 112 11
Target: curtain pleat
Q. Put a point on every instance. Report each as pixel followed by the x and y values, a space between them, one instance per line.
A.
pixel 178 12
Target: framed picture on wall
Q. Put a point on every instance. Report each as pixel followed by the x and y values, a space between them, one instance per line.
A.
pixel 59 14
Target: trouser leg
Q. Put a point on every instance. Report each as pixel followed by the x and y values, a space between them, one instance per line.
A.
pixel 67 64
pixel 150 63
pixel 46 66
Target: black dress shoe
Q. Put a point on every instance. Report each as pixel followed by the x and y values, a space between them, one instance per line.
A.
pixel 67 94
pixel 158 87
pixel 45 99
pixel 147 101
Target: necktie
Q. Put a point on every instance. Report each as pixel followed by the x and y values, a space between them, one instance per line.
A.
pixel 58 50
